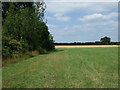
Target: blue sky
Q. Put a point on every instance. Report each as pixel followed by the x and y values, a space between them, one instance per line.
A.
pixel 82 21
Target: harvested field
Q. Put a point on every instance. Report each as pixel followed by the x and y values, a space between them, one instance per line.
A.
pixel 84 46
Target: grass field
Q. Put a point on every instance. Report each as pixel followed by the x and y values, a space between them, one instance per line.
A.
pixel 66 68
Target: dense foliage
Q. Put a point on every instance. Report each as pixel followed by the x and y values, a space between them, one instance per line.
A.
pixel 24 29
pixel 105 40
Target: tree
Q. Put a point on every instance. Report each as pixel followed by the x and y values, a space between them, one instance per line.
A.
pixel 105 40
pixel 24 25
pixel 5 7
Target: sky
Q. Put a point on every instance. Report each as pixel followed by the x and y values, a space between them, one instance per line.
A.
pixel 82 21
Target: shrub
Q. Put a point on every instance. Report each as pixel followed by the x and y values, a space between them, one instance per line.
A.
pixel 25 46
pixel 34 53
pixel 41 50
pixel 11 47
pixel 6 51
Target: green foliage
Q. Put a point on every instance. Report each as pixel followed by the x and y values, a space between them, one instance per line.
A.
pixel 105 40
pixel 5 7
pixel 11 47
pixel 6 52
pixel 41 50
pixel 25 46
pixel 24 29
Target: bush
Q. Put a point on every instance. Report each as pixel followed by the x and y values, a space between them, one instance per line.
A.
pixel 41 50
pixel 34 53
pixel 6 51
pixel 11 47
pixel 25 46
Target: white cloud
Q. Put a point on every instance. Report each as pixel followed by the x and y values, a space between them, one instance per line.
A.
pixel 98 17
pixel 61 17
pixel 80 32
pixel 91 27
pixel 67 7
pixel 81 0
pixel 58 15
pixel 48 17
pixel 100 20
pixel 52 27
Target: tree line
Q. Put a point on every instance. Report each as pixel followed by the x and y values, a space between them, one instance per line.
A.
pixel 24 29
pixel 103 41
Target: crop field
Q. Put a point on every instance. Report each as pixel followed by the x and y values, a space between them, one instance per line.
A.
pixel 85 46
pixel 65 68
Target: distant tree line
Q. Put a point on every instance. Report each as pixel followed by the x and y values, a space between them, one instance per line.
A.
pixel 24 29
pixel 103 41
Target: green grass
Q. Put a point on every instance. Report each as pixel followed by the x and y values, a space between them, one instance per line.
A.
pixel 66 68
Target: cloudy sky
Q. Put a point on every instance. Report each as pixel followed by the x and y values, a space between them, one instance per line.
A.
pixel 82 21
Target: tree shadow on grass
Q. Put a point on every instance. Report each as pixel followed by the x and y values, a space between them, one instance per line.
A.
pixel 53 51
pixel 57 50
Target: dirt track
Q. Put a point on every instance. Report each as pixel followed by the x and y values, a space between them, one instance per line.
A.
pixel 84 46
